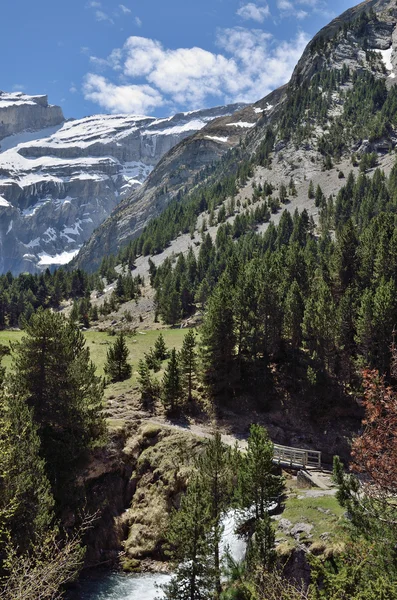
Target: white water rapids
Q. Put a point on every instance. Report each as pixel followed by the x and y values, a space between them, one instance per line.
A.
pixel 117 586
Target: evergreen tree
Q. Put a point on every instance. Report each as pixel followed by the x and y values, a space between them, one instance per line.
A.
pixel 215 468
pixel 188 361
pixel 53 371
pixel 147 384
pixel 258 487
pixel 293 315
pixel 218 337
pixel 160 349
pixel 171 385
pixel 117 367
pixel 261 553
pixel 26 502
pixel 190 534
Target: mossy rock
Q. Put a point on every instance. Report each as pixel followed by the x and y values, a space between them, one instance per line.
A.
pixel 130 565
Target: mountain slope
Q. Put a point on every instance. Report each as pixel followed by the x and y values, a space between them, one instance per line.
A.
pixel 337 102
pixel 59 180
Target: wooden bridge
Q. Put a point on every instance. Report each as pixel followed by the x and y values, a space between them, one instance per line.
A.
pixel 296 457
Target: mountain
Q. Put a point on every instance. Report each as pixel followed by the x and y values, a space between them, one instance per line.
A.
pixel 60 179
pixel 339 101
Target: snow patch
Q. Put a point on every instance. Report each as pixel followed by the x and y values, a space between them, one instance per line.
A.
pixel 386 58
pixel 4 202
pixel 216 138
pixel 58 259
pixel 241 124
pixel 10 227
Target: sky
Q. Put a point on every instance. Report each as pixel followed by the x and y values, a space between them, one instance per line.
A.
pixel 154 57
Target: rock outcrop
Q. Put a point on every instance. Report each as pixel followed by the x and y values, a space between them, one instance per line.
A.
pixel 60 180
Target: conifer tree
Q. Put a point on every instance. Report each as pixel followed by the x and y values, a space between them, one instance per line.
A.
pixel 117 367
pixel 171 385
pixel 188 361
pixel 258 487
pixel 293 315
pixel 218 337
pixel 190 534
pixel 215 468
pixel 53 371
pixel 310 193
pixel 261 553
pixel 160 349
pixel 148 386
pixel 26 502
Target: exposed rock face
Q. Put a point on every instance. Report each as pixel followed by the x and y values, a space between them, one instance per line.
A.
pixel 19 112
pixel 331 49
pixel 60 181
pixel 176 171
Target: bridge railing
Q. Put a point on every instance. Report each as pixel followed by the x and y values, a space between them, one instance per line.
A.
pixel 297 456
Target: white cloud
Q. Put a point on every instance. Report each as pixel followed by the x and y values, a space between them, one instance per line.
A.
pixel 94 5
pixel 138 99
pixel 18 87
pixel 124 9
pixel 100 15
pixel 249 65
pixel 138 22
pixel 73 88
pixel 254 12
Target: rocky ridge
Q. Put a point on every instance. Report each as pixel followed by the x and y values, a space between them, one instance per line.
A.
pixel 60 179
pixel 367 46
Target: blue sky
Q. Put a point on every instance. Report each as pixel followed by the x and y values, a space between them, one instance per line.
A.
pixel 154 56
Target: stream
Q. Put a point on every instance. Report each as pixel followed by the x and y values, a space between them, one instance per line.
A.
pixel 119 586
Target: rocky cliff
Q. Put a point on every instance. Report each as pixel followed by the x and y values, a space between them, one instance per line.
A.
pixel 313 128
pixel 59 180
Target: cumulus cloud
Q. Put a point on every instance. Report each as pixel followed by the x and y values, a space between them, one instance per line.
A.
pixel 254 12
pixel 249 64
pixel 138 99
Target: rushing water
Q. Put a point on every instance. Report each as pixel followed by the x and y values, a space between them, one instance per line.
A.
pixel 117 586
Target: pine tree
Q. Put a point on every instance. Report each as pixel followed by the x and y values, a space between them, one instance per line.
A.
pixel 218 337
pixel 258 487
pixel 216 473
pixel 147 384
pixel 190 534
pixel 171 385
pixel 261 553
pixel 293 315
pixel 160 349
pixel 117 367
pixel 26 502
pixel 310 193
pixel 188 361
pixel 53 371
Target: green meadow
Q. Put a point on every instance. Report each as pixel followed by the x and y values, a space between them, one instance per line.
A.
pixel 99 342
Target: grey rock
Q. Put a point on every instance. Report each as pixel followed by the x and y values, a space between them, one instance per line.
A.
pixel 59 182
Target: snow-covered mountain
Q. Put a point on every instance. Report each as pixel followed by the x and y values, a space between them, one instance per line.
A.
pixel 60 179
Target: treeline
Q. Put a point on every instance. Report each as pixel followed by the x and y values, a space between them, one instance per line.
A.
pixel 22 295
pixel 288 290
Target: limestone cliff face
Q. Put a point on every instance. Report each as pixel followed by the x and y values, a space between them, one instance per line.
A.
pixel 174 172
pixel 19 112
pixel 60 180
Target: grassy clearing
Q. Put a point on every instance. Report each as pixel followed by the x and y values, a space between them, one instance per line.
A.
pixel 99 342
pixel 326 517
